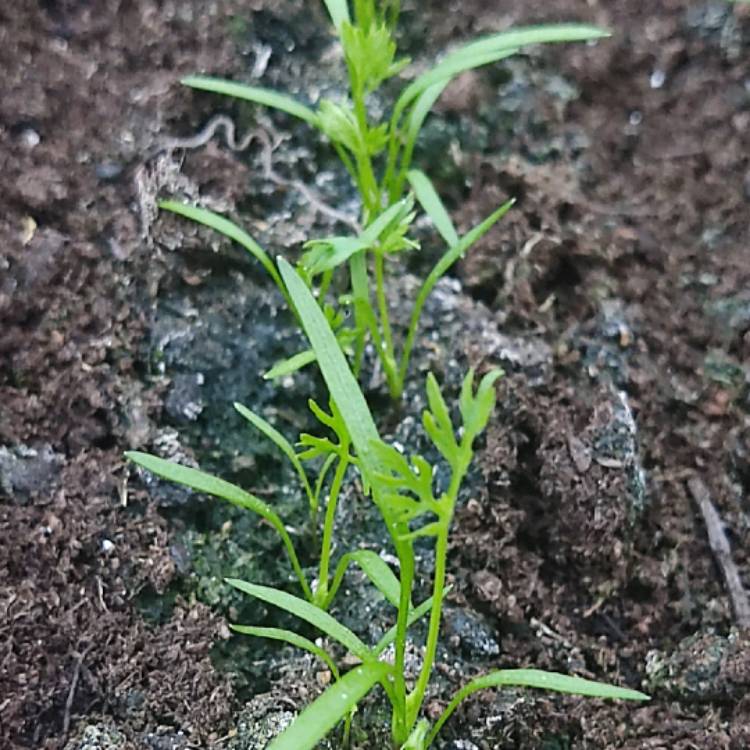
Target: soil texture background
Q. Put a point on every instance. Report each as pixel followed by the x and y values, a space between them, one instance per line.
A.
pixel 616 295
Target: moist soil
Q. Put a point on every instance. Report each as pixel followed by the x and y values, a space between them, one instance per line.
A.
pixel 616 295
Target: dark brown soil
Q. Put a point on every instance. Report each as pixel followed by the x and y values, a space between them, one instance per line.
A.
pixel 644 228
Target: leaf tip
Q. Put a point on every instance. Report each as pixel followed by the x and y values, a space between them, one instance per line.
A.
pixel 190 80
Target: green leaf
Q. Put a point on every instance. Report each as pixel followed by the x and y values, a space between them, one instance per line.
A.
pixel 338 10
pixel 282 443
pixel 400 475
pixel 422 107
pixel 523 36
pixel 488 50
pixel 471 237
pixel 322 715
pixel 323 472
pixel 375 568
pixel 228 229
pixel 493 48
pixel 290 365
pixel 440 269
pixel 415 614
pixel 337 374
pixel 442 74
pixel 266 97
pixel 287 636
pixel 210 485
pixel 370 54
pixel 305 611
pixel 476 408
pixel 437 423
pixel 334 422
pixel 536 678
pixel 430 529
pixel 339 123
pixel 330 252
pixel 433 206
pixel 392 216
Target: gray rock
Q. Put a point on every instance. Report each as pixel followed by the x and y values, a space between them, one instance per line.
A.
pixel 98 737
pixel 26 472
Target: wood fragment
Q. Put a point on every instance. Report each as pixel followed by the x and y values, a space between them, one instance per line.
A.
pixel 722 552
pixel 72 691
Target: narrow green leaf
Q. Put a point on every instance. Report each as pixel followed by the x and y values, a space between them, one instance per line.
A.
pixel 266 97
pixel 337 374
pixel 415 614
pixel 322 715
pixel 523 36
pixel 536 678
pixel 305 611
pixel 288 636
pixel 443 73
pixel 561 683
pixel 430 529
pixel 330 252
pixel 477 408
pixel 330 458
pixel 417 115
pixel 433 206
pixel 492 49
pixel 282 443
pixel 290 365
pixel 375 568
pixel 457 251
pixel 440 268
pixel 422 107
pixel 374 230
pixel 228 229
pixel 438 407
pixel 210 485
pixel 338 10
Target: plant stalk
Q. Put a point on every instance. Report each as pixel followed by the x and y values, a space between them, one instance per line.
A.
pixel 321 594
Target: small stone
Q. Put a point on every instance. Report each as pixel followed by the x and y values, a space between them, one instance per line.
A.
pixel 107 546
pixel 580 453
pixel 108 171
pixel 30 138
pixel 98 737
pixel 25 471
pixel 703 667
pixel 657 79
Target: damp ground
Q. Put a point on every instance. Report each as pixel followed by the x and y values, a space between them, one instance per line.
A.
pixel 615 297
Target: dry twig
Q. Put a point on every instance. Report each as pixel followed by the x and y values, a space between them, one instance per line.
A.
pixel 719 544
pixel 72 690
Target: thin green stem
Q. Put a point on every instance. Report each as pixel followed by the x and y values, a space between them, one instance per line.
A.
pixel 411 335
pixel 346 161
pixel 321 594
pixel 325 283
pixel 360 292
pixel 370 190
pixel 394 137
pixel 459 468
pixel 383 305
pixel 389 363
pixel 388 354
pixel 417 695
pixel 400 709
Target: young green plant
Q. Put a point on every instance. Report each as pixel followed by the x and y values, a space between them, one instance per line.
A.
pixel 403 490
pixel 335 456
pixel 377 155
